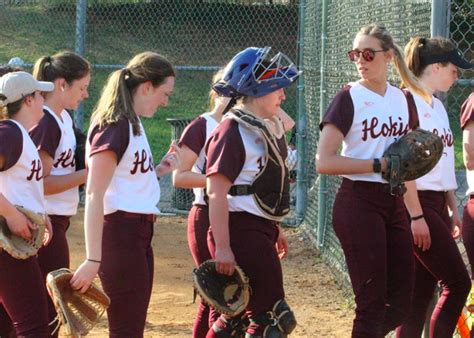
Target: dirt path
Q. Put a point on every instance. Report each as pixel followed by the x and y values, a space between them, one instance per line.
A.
pixel 320 309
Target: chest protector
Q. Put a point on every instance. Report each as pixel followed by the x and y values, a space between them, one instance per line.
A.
pixel 270 188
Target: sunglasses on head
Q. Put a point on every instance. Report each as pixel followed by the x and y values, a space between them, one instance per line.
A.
pixel 368 54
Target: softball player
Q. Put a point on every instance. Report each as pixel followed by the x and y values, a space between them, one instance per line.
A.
pixel 244 230
pixel 467 116
pixel 56 144
pixel 123 191
pixel 22 288
pixel 190 174
pixel 365 117
pixel 435 63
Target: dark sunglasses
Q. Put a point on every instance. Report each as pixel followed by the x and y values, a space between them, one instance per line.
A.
pixel 368 54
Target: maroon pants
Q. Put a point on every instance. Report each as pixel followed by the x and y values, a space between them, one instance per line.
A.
pixel 127 270
pixel 374 232
pixel 468 232
pixel 24 296
pixel 6 325
pixel 198 227
pixel 55 256
pixel 441 262
pixel 252 240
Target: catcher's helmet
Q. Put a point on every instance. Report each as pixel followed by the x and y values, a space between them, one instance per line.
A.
pixel 251 73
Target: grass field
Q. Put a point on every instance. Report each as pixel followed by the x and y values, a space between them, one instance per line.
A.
pixel 183 31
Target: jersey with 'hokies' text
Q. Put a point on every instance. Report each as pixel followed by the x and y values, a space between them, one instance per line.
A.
pixel 369 122
pixel 435 119
pixel 21 180
pixel 55 136
pixel 194 137
pixel 134 186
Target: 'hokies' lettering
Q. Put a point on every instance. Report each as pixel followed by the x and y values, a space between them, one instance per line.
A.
pixel 144 162
pixel 446 137
pixel 36 171
pixel 374 130
pixel 66 159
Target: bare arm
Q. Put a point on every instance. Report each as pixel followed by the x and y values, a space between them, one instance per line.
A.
pixel 54 184
pixel 218 186
pixel 468 145
pixel 329 162
pixel 419 228
pixel 453 207
pixel 102 167
pixel 183 177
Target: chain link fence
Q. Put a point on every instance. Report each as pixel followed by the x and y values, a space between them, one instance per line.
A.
pixel 197 36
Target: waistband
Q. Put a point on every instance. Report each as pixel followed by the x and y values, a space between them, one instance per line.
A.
pixel 372 186
pixel 134 216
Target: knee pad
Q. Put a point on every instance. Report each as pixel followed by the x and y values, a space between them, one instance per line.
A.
pixel 277 323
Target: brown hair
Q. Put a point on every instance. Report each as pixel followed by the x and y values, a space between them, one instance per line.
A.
pixel 67 65
pixel 116 101
pixel 8 111
pixel 419 48
pixel 387 43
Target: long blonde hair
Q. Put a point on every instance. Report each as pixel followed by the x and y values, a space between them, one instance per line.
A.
pixel 116 101
pixel 387 43
pixel 212 93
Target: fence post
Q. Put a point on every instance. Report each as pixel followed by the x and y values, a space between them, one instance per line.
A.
pixel 322 193
pixel 301 165
pixel 81 16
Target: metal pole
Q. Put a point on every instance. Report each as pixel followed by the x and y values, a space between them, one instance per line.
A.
pixel 81 16
pixel 301 165
pixel 322 193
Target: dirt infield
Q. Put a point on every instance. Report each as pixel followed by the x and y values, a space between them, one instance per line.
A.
pixel 320 309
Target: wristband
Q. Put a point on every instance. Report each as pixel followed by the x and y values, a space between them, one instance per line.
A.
pixel 377 166
pixel 417 217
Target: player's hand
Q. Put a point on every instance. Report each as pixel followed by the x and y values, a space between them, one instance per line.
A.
pixel 19 224
pixel 281 244
pixel 48 233
pixel 84 276
pixel 457 224
pixel 421 234
pixel 225 261
pixel 171 161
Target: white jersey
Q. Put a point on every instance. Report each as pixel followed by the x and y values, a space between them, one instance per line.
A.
pixel 467 116
pixel 199 165
pixel 22 184
pixel 63 203
pixel 369 122
pixel 435 119
pixel 134 186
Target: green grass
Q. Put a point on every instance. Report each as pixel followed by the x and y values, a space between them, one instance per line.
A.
pixel 183 31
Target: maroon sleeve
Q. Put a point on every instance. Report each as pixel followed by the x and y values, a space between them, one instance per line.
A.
pixel 11 143
pixel 114 137
pixel 46 134
pixel 194 135
pixel 340 112
pixel 467 111
pixel 225 151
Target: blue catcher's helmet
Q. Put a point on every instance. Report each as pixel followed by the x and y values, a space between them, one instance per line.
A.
pixel 251 73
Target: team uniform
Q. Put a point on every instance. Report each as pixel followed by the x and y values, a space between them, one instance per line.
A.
pixel 239 153
pixel 194 137
pixel 371 224
pixel 130 205
pixel 467 115
pixel 442 261
pixel 55 136
pixel 22 288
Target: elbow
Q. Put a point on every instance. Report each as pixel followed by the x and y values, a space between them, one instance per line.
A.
pixel 322 166
pixel 469 164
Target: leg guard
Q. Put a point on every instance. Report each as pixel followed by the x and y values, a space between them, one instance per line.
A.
pixel 277 323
